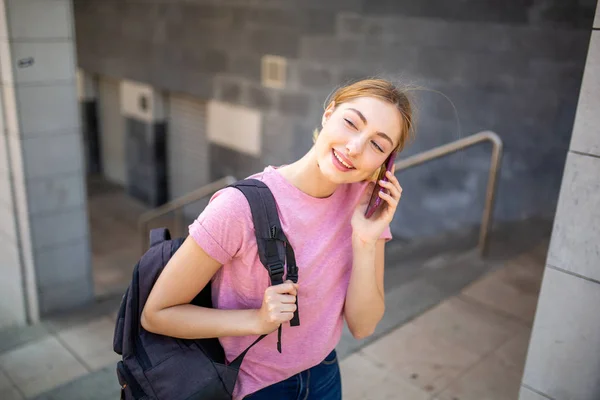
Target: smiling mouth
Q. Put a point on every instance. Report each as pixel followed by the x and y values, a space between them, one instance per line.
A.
pixel 341 160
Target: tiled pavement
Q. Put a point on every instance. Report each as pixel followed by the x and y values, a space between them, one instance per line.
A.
pixel 439 339
pixel 471 346
pixel 40 358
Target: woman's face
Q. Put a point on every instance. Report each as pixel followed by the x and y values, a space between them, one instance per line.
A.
pixel 356 139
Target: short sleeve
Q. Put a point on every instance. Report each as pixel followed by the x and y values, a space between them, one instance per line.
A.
pixel 386 234
pixel 225 226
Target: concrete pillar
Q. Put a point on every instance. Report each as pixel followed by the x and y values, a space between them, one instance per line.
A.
pixel 12 285
pixel 44 213
pixel 145 142
pixel 563 361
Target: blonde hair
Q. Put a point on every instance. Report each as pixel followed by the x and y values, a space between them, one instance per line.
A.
pixel 384 90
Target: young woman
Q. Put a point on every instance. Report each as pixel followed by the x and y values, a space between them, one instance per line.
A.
pixel 321 200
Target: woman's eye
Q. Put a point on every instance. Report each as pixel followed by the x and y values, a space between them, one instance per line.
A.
pixel 377 146
pixel 350 123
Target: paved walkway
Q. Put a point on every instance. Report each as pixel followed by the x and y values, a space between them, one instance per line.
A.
pixel 471 346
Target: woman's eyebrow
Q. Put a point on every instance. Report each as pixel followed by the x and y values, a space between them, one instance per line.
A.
pixel 386 137
pixel 364 120
pixel 362 117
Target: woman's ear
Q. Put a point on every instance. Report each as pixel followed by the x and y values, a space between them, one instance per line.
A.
pixel 328 111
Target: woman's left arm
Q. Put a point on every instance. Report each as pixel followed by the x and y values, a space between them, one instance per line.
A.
pixel 365 303
pixel 365 299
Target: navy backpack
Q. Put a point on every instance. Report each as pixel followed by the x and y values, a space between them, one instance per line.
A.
pixel 158 367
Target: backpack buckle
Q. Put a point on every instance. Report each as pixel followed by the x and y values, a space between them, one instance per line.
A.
pixel 276 273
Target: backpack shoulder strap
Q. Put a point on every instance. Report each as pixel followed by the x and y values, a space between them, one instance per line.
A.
pixel 273 245
pixel 268 229
pixel 270 238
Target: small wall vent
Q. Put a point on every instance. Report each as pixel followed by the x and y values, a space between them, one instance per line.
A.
pixel 273 71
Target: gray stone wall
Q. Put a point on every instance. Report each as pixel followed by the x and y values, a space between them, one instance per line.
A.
pixel 562 360
pixel 511 67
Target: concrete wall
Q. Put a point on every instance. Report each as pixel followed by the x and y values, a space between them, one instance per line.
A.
pixel 43 220
pixel 563 362
pixel 512 67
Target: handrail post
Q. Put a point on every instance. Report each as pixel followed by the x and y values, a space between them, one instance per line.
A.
pixel 490 196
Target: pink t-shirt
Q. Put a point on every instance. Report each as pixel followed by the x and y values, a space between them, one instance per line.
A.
pixel 319 230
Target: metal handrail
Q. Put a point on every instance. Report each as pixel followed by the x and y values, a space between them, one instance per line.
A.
pixel 460 144
pixel 412 161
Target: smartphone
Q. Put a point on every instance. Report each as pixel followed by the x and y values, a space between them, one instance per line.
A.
pixel 375 200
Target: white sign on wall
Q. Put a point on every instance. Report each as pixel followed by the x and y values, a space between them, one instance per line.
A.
pixel 234 127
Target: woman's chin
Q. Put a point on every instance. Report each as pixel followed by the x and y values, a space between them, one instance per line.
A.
pixel 338 177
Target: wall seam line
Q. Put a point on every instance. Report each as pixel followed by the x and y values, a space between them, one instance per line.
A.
pixel 581 153
pixel 573 273
pixel 526 386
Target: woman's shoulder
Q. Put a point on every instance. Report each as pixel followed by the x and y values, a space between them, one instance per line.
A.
pixel 224 228
pixel 228 200
pixel 232 199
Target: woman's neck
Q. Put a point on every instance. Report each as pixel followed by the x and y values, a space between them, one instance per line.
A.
pixel 306 175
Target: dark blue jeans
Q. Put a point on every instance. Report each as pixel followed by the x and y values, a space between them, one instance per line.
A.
pixel 321 382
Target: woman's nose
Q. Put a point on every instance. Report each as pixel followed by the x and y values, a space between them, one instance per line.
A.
pixel 354 146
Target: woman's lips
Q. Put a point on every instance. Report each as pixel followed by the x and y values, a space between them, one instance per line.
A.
pixel 339 161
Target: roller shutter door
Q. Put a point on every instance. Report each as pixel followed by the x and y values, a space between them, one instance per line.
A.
pixel 112 131
pixel 187 148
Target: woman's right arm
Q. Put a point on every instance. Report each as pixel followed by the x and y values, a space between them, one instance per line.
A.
pixel 168 312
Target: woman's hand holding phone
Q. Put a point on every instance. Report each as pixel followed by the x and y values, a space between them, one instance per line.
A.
pixel 369 229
